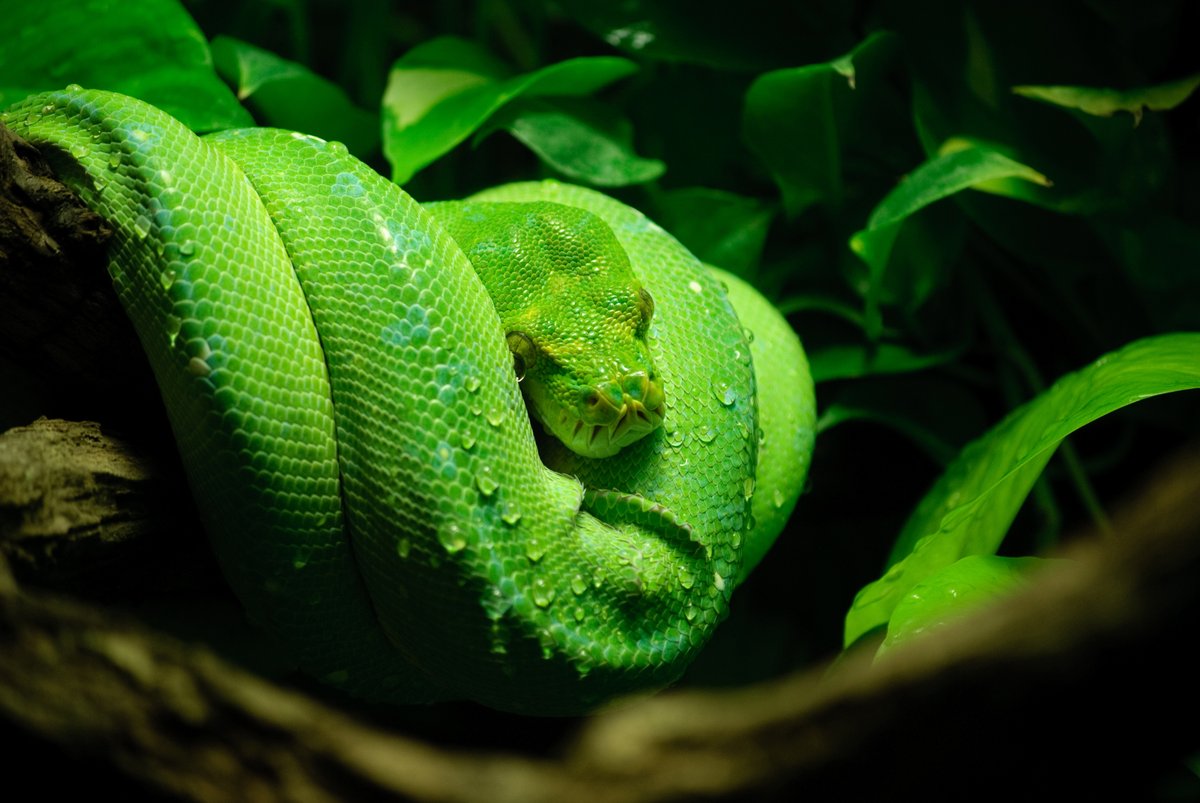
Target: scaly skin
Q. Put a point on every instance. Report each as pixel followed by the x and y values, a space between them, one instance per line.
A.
pixel 322 345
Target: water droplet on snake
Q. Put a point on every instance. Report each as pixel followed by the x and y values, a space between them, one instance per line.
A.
pixel 777 498
pixel 578 584
pixel 510 514
pixel 485 482
pixel 472 383
pixel 79 150
pixel 403 547
pixel 141 227
pixel 452 537
pixel 74 88
pixel 543 594
pixel 706 434
pixel 495 416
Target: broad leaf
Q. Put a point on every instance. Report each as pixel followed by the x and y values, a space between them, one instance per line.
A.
pixel 284 94
pixel 432 103
pixel 1105 102
pixel 960 588
pixel 936 179
pixel 969 509
pixel 151 50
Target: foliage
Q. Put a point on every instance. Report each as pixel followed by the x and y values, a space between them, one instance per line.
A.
pixel 940 196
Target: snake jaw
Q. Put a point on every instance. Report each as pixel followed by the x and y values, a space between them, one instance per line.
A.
pixel 633 420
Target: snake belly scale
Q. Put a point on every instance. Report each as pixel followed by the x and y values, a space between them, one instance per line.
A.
pixel 345 403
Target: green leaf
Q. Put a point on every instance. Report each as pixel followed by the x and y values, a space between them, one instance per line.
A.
pixel 939 177
pixel 284 94
pixel 969 509
pixel 150 50
pixel 960 588
pixel 1104 102
pixel 586 142
pixel 721 228
pixel 790 123
pixel 433 103
pixel 847 361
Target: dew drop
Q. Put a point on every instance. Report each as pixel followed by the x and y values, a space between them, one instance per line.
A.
pixel 188 248
pixel 579 614
pixel 777 498
pixel 114 161
pixel 48 109
pixel 74 88
pixel 166 278
pixel 578 584
pixel 690 613
pixel 534 549
pixel 748 487
pixel 543 594
pixel 510 514
pixel 675 438
pixel 452 537
pixel 706 434
pixel 748 334
pixel 403 546
pixel 485 482
pixel 472 383
pixel 495 416
pixel 686 578
pixel 79 150
pixel 336 147
pixel 141 227
pixel 718 581
pixel 735 539
pixel 468 441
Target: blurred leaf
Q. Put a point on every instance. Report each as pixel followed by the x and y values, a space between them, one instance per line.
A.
pixel 960 588
pixel 150 50
pixel 757 34
pixel 442 92
pixel 937 415
pixel 969 509
pixel 937 178
pixel 287 95
pixel 721 228
pixel 857 360
pixel 789 121
pixel 585 141
pixel 1104 102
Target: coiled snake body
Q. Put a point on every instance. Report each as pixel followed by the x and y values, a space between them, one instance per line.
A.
pixel 343 394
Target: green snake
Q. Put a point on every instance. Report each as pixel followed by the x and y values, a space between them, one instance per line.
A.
pixel 347 399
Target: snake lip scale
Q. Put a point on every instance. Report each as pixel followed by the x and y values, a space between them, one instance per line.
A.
pixel 343 396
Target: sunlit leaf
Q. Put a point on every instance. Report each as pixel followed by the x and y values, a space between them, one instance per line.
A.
pixel 969 509
pixel 150 50
pixel 958 589
pixel 586 142
pixel 1105 102
pixel 284 94
pixel 431 105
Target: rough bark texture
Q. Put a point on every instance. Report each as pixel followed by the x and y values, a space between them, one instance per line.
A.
pixel 1084 682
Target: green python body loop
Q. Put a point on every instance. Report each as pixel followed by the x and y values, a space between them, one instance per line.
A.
pixel 344 398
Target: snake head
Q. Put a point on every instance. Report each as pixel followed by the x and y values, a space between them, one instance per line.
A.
pixel 576 318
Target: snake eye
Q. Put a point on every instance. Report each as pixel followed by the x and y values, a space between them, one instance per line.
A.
pixel 645 303
pixel 523 351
